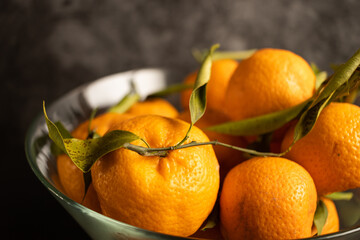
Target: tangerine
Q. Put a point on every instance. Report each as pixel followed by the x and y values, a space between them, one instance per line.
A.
pixel 267 198
pixel 70 176
pixel 332 221
pixel 157 106
pixel 221 72
pixel 331 151
pixel 172 194
pixel 268 81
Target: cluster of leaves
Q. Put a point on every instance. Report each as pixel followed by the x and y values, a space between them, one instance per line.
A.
pixel 338 87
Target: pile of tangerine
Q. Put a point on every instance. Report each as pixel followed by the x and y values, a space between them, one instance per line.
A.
pixel 259 197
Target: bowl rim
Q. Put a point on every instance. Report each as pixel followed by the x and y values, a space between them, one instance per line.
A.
pixel 31 159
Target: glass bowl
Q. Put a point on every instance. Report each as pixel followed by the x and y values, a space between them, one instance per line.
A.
pixel 76 107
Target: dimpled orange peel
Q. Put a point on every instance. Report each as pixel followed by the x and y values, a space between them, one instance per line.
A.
pixel 172 194
pixel 331 151
pixel 221 72
pixel 268 81
pixel 267 198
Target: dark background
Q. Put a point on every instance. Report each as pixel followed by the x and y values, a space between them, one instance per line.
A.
pixel 49 47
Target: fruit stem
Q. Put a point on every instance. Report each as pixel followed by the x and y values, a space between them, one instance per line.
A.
pixel 184 139
pixel 162 152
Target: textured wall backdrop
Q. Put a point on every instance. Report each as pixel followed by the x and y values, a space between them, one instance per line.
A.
pixel 50 47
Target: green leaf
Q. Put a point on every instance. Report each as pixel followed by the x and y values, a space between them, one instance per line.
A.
pixel 236 55
pixel 321 76
pixel 339 84
pixel 320 79
pixel 340 196
pixel 92 116
pixel 125 103
pixel 349 90
pixel 261 124
pixel 320 216
pixel 84 153
pixel 211 222
pixel 308 119
pixel 214 217
pixel 197 102
pixel 55 133
pixel 175 88
pixel 315 68
pixel 340 77
pixel 55 150
pixel 64 132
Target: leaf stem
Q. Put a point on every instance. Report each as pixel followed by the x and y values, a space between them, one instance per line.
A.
pixel 125 103
pixel 162 152
pixel 185 138
pixel 199 55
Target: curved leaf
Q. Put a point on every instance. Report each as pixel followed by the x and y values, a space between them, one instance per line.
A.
pixel 261 124
pixel 84 153
pixel 308 119
pixel 55 133
pixel 340 196
pixel 320 75
pixel 341 76
pixel 197 102
pixel 320 216
pixel 175 88
pixel 125 103
pixel 213 219
pixel 340 83
pixel 236 55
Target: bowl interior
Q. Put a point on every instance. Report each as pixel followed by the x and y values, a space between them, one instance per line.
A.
pixel 77 105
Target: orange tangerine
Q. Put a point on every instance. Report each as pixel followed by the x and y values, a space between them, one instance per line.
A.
pixel 172 194
pixel 221 72
pixel 268 81
pixel 331 151
pixel 267 198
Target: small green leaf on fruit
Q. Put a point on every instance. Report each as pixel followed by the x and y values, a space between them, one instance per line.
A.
pixel 320 216
pixel 336 196
pixel 197 102
pixel 345 78
pixel 125 103
pixel 321 76
pixel 213 218
pixel 340 77
pixel 261 124
pixel 84 153
pixel 175 88
pixel 55 150
pixel 218 55
pixel 308 119
pixel 92 116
